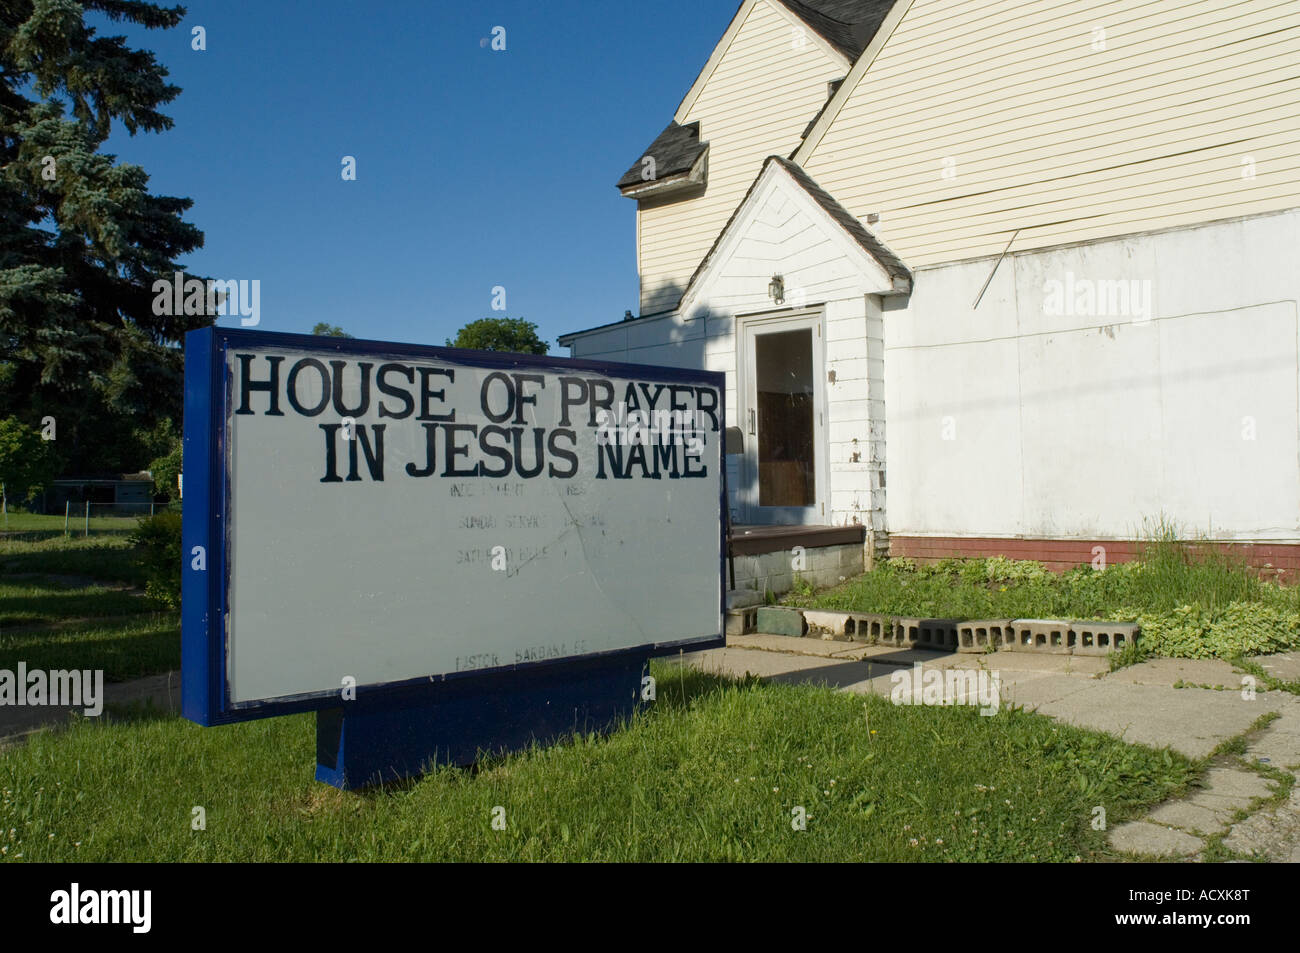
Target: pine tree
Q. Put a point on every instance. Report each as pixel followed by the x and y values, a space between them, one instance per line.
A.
pixel 81 237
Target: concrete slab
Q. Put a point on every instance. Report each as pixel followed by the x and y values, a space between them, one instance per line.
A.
pixel 1284 665
pixel 858 676
pixel 1035 662
pixel 777 620
pixel 1279 743
pixel 1273 834
pixel 1231 788
pixel 792 645
pixel 1171 671
pixel 1142 837
pixel 1192 721
pixel 1191 817
pixel 743 598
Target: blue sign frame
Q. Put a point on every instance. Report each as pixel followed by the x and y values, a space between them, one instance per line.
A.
pixel 206 519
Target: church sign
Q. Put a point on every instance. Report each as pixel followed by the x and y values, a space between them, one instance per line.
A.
pixel 396 535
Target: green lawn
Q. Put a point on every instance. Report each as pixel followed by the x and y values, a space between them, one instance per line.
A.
pixel 125 648
pixel 103 558
pixel 712 771
pixel 76 603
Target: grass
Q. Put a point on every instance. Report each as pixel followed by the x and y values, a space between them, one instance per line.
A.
pixel 127 648
pixel 104 558
pixel 19 522
pixel 712 771
pixel 75 603
pixel 1192 601
pixel 50 601
pixel 975 589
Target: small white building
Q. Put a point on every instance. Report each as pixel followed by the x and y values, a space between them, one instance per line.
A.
pixel 989 277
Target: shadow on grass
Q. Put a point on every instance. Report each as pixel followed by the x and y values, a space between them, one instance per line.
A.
pixel 138 711
pixel 153 651
pixel 101 564
pixel 677 689
pixel 41 535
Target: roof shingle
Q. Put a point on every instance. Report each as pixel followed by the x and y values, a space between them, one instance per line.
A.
pixel 675 151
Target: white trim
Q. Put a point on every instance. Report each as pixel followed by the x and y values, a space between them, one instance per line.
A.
pixel 813 318
pixel 870 268
pixel 887 27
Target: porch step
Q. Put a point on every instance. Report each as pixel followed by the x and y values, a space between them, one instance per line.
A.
pixel 743 598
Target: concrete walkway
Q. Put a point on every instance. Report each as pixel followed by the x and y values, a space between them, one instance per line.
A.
pixel 163 691
pixel 1191 706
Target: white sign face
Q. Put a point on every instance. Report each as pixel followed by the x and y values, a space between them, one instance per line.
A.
pixel 394 517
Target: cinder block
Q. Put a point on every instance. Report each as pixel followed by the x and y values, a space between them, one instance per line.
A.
pixel 907 633
pixel 1102 638
pixel 939 635
pixel 985 635
pixel 936 634
pixel 828 625
pixel 774 620
pixel 742 621
pixel 1047 636
pixel 872 628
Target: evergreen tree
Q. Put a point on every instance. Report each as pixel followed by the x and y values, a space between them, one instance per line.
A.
pixel 81 237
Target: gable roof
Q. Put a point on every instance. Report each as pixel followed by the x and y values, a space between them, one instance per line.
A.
pixel 899 273
pixel 872 245
pixel 848 25
pixel 893 13
pixel 675 152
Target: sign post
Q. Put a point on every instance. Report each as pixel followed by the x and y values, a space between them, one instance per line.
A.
pixel 441 552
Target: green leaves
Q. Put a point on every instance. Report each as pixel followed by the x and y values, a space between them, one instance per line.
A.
pixel 501 334
pixel 27 462
pixel 81 237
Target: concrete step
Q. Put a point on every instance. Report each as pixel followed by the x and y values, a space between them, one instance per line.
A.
pixel 743 598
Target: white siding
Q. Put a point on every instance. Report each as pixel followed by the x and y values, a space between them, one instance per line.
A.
pixel 1066 142
pixel 763 93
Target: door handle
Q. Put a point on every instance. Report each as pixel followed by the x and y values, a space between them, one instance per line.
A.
pixel 751 421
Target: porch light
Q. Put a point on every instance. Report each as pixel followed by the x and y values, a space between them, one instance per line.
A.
pixel 776 289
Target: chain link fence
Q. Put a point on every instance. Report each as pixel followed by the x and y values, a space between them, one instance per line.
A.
pixel 81 519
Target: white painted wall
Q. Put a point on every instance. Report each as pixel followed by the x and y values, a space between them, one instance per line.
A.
pixel 1085 425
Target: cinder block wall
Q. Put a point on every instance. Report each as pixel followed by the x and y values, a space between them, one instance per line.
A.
pixel 825 566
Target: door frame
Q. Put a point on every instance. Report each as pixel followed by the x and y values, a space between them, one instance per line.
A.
pixel 814 319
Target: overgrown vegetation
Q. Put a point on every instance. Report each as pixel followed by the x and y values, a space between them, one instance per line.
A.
pixel 1192 601
pixel 713 770
pixel 158 553
pixel 76 603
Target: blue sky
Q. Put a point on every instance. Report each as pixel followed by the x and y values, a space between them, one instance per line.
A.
pixel 475 168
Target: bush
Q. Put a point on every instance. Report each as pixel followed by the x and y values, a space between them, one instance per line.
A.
pixel 1237 629
pixel 165 470
pixel 158 553
pixel 1001 569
